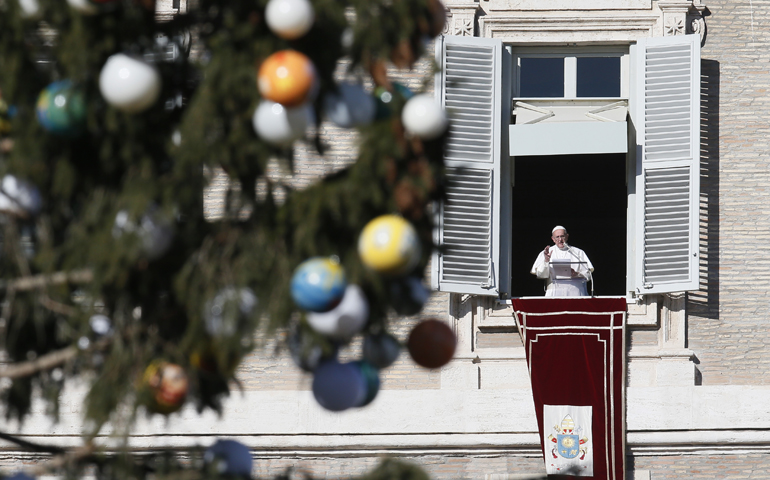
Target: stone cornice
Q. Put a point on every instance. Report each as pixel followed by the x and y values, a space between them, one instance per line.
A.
pixel 581 29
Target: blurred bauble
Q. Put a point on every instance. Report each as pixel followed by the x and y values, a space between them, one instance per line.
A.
pixel 7 112
pixel 438 17
pixel 29 8
pixel 389 245
pixel 339 386
pixel 318 284
pixel 344 320
pixel 229 457
pixel 18 197
pixel 424 117
pixel 92 7
pixel 385 99
pixel 381 349
pixel 372 379
pixel 350 106
pixel 408 295
pixel 404 54
pixel 168 385
pixel 101 325
pixel 307 353
pixel 279 125
pixel 61 109
pixel 129 84
pixel 155 231
pixel 19 476
pixel 228 312
pixel 287 77
pixel 86 7
pixel 432 344
pixel 289 19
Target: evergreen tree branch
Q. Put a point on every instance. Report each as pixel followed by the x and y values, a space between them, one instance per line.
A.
pixel 41 281
pixel 34 447
pixel 64 458
pixel 48 361
pixel 57 307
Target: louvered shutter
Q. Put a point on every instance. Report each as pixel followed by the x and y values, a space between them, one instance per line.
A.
pixel 470 86
pixel 666 114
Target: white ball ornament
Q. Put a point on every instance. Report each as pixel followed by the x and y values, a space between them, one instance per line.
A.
pixel 289 19
pixel 29 8
pixel 350 106
pixel 155 232
pixel 19 197
pixel 423 117
pixel 129 84
pixel 344 320
pixel 279 125
pixel 83 6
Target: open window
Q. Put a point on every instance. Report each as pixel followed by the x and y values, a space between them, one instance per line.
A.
pixel 632 178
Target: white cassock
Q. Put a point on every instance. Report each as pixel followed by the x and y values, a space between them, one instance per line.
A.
pixel 573 287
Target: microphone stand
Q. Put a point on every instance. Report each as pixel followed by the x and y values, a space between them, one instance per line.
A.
pixel 590 275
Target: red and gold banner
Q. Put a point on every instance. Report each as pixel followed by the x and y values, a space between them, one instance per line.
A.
pixel 576 355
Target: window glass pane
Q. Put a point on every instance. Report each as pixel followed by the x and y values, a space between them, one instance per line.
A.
pixel 598 76
pixel 541 77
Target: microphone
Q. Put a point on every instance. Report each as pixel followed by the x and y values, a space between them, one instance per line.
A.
pixel 588 270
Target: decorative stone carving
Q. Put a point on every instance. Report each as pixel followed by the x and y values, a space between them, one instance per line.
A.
pixel 462 17
pixel 447 24
pixel 696 24
pixel 463 27
pixel 674 26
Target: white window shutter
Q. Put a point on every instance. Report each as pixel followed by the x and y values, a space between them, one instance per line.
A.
pixel 470 86
pixel 667 120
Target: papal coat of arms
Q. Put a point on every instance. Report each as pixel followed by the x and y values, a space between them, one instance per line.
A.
pixel 568 449
pixel 568 441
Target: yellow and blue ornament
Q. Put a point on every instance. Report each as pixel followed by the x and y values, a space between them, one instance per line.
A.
pixel 318 284
pixel 389 245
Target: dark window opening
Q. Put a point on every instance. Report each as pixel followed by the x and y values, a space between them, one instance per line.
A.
pixel 541 77
pixel 585 193
pixel 598 76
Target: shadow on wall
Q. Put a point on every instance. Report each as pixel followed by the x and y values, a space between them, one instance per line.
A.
pixel 705 302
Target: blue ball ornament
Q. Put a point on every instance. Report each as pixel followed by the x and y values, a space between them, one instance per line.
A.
pixel 381 349
pixel 61 109
pixel 372 379
pixel 230 458
pixel 20 476
pixel 318 284
pixel 350 106
pixel 408 295
pixel 339 386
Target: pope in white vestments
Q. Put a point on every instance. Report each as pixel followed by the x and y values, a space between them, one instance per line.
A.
pixel 565 269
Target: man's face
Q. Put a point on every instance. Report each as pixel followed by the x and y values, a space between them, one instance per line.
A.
pixel 559 237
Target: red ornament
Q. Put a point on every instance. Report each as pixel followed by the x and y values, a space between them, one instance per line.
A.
pixel 168 384
pixel 432 344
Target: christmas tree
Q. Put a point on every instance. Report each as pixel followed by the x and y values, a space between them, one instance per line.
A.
pixel 113 120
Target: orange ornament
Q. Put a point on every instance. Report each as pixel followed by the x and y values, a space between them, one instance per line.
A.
pixel 286 77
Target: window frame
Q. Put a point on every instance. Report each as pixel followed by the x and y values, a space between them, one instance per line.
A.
pixel 570 55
